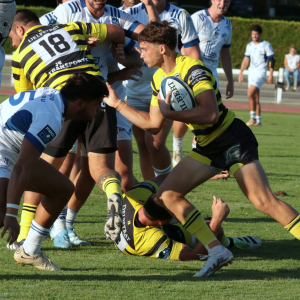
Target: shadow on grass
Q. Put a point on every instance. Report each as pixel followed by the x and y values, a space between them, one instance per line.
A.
pixel 250 220
pixel 225 274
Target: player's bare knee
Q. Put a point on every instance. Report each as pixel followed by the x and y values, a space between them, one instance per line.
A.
pixel 168 198
pixel 262 204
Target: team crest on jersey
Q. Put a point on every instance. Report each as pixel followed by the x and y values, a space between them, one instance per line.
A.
pixel 47 134
pixel 53 20
pixel 173 20
pixel 216 34
pixel 177 75
pixel 115 21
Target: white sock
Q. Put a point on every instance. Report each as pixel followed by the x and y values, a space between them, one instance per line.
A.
pixel 60 223
pixel 71 216
pixel 35 237
pixel 252 114
pixel 158 172
pixel 177 143
pixel 258 119
pixel 194 146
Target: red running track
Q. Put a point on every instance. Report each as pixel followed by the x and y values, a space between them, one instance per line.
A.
pixel 278 108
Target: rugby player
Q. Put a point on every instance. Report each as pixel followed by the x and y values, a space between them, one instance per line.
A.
pixel 214 31
pixel 223 142
pixel 29 122
pixel 154 156
pixel 98 163
pixel 258 52
pixel 147 231
pixel 47 56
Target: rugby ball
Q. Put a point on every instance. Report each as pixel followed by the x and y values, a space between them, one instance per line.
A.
pixel 182 96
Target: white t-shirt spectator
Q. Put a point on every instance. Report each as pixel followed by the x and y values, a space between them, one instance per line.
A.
pixel 292 61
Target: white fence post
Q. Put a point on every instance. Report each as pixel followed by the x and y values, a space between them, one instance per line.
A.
pixel 279 89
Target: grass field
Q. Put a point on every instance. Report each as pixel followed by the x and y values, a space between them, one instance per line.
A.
pixel 101 272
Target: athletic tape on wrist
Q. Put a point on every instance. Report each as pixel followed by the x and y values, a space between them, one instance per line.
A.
pixel 11 215
pixel 12 205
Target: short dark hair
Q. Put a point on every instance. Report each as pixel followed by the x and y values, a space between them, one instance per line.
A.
pixel 159 33
pixel 257 28
pixel 58 2
pixel 84 86
pixel 24 17
pixel 154 211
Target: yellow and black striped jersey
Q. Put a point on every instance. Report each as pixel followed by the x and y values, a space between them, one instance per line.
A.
pixel 199 78
pixel 137 239
pixel 49 55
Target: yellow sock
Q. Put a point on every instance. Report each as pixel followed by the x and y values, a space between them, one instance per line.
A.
pixel 111 186
pixel 294 227
pixel 196 225
pixel 28 214
pixel 224 241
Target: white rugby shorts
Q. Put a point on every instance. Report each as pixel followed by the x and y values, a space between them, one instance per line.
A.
pixel 256 78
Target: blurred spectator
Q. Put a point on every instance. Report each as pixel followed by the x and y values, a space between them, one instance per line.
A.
pixel 291 63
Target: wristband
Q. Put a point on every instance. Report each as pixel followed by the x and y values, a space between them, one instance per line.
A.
pixel 122 108
pixel 118 103
pixel 11 215
pixel 12 205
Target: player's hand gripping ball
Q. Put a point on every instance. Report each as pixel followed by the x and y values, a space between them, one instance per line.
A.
pixel 182 97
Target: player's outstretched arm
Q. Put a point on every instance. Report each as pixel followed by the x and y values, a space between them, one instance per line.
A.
pixel 125 74
pixel 227 67
pixel 115 34
pixel 152 121
pixel 28 157
pixel 244 66
pixel 205 113
pixel 128 59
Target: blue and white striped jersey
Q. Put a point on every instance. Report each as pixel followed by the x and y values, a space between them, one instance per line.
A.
pixel 76 10
pixel 36 115
pixel 186 36
pixel 259 55
pixel 213 37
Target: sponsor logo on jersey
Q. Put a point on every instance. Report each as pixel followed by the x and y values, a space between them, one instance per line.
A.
pixel 47 134
pixel 197 76
pixel 41 34
pixel 124 229
pixel 60 66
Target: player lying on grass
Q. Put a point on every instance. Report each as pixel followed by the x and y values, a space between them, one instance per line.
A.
pixel 223 142
pixel 146 230
pixel 29 122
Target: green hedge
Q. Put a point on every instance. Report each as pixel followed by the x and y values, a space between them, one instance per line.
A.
pixel 281 34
